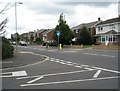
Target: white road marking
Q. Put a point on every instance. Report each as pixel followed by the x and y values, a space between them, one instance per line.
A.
pixel 108 55
pixel 51 60
pixel 99 55
pixel 78 66
pixel 71 72
pixel 88 68
pixel 85 65
pixel 114 71
pixel 69 64
pixel 71 81
pixel 36 79
pixel 62 63
pixel 14 74
pixel 57 61
pixel 97 74
pixel 90 54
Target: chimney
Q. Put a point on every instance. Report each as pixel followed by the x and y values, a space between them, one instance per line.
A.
pixel 98 18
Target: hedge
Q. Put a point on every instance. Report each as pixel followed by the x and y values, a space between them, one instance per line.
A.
pixel 7 48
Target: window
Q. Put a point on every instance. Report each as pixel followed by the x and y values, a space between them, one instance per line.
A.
pixel 110 38
pixel 100 28
pixel 114 38
pixel 102 38
pixel 112 26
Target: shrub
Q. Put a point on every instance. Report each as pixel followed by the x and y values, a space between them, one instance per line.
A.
pixel 7 49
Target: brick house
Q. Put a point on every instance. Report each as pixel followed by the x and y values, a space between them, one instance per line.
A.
pixel 39 33
pixel 90 26
pixel 48 35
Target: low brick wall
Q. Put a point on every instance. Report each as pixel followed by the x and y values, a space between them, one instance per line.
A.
pixel 106 47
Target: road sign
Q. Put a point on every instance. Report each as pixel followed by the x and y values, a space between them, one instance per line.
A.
pixel 58 33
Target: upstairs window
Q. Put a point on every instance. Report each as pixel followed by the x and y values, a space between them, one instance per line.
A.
pixel 100 28
pixel 112 26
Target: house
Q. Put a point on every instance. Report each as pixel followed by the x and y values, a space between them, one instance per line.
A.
pixel 24 37
pixel 107 32
pixel 48 35
pixel 39 33
pixel 90 26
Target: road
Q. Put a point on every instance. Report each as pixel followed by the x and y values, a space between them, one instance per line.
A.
pixel 65 69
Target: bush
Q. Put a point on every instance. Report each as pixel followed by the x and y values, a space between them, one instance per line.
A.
pixel 7 49
pixel 44 43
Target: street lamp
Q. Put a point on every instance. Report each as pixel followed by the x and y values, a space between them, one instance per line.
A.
pixel 16 21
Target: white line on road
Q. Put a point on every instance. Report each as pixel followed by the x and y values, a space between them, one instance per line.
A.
pixel 88 68
pixel 99 55
pixel 71 72
pixel 114 71
pixel 78 66
pixel 69 64
pixel 36 79
pixel 97 74
pixel 71 81
pixel 14 74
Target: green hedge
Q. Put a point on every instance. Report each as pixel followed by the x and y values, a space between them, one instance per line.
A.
pixel 7 49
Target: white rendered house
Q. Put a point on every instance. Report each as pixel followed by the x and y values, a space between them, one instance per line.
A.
pixel 108 31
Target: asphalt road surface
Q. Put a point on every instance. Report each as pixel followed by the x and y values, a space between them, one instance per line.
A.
pixel 64 69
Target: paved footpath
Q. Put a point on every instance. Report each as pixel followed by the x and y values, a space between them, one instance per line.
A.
pixel 21 59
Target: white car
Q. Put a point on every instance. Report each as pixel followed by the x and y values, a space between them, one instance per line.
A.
pixel 23 43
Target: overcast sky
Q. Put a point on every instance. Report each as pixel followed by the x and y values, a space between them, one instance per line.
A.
pixel 38 15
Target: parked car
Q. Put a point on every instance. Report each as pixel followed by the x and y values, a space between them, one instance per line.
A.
pixel 14 43
pixel 22 43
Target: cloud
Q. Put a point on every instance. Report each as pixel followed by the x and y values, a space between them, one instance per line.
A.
pixel 38 15
pixel 86 13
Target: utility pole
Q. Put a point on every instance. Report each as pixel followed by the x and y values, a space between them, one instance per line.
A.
pixel 16 23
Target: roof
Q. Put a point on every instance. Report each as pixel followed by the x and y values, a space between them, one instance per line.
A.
pixel 41 30
pixel 110 21
pixel 88 25
pixel 47 31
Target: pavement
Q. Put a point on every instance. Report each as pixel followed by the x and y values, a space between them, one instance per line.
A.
pixel 21 59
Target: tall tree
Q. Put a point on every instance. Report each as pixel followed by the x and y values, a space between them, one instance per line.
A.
pixel 66 34
pixel 85 37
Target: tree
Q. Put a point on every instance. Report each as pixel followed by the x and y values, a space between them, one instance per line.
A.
pixel 6 7
pixel 2 26
pixel 66 33
pixel 85 37
pixel 15 37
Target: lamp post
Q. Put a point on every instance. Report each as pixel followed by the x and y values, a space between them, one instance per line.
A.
pixel 16 22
